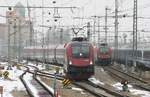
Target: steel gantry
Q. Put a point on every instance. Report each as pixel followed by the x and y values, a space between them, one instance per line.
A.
pixel 116 30
pixel 135 30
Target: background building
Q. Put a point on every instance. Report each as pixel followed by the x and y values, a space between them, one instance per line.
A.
pixel 19 30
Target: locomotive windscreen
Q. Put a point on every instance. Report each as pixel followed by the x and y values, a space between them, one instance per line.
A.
pixel 104 50
pixel 80 50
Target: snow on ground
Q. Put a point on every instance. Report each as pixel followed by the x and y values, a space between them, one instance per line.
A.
pixel 4 63
pixel 50 88
pixel 78 89
pixel 119 86
pixel 40 66
pixel 95 81
pixel 53 71
pixel 102 69
pixel 133 91
pixel 13 84
pixel 14 73
pixel 61 71
pixel 50 71
pixel 23 61
pixel 28 77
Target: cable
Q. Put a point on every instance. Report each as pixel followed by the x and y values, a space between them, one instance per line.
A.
pixel 139 8
pixel 67 2
pixel 9 3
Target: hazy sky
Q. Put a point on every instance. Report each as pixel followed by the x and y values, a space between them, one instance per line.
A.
pixel 86 8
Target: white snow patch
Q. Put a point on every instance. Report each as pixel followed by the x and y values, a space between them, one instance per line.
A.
pixel 31 68
pixel 24 61
pixel 83 92
pixel 14 73
pixel 13 84
pixel 95 81
pixel 118 86
pixel 102 69
pixel 132 90
pixel 140 92
pixel 4 63
pixel 39 66
pixel 29 63
pixel 28 77
pixel 51 71
pixel 61 71
pixel 49 88
pixel 77 89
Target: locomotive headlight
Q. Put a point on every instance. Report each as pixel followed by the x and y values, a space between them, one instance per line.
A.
pixel 70 62
pixel 91 62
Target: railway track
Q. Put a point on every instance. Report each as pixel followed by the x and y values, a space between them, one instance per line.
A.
pixel 89 87
pixel 112 92
pixel 132 79
pixel 86 85
pixel 98 90
pixel 41 89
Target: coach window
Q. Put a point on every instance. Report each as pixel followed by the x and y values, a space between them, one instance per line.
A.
pixel 104 50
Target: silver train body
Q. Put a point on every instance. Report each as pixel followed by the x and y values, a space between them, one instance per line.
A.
pixel 125 57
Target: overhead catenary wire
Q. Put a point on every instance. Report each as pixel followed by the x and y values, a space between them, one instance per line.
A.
pixel 139 8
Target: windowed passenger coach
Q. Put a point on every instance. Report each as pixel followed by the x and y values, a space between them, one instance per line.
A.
pixel 79 59
pixel 76 57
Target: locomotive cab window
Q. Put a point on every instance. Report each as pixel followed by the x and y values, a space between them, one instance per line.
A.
pixel 104 50
pixel 80 50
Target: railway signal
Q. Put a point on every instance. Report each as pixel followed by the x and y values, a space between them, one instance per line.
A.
pixel 124 85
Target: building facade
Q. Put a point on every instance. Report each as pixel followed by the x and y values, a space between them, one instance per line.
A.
pixel 16 30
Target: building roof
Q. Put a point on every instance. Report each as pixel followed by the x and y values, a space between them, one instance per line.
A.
pixel 21 10
pixel 19 4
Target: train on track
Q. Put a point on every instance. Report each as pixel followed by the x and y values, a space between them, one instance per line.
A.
pixel 76 57
pixel 103 54
pixel 125 57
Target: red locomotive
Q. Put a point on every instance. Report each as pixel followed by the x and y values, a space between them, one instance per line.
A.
pixel 103 53
pixel 77 57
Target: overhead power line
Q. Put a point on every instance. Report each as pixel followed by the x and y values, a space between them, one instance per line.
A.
pixel 139 8
pixel 36 7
